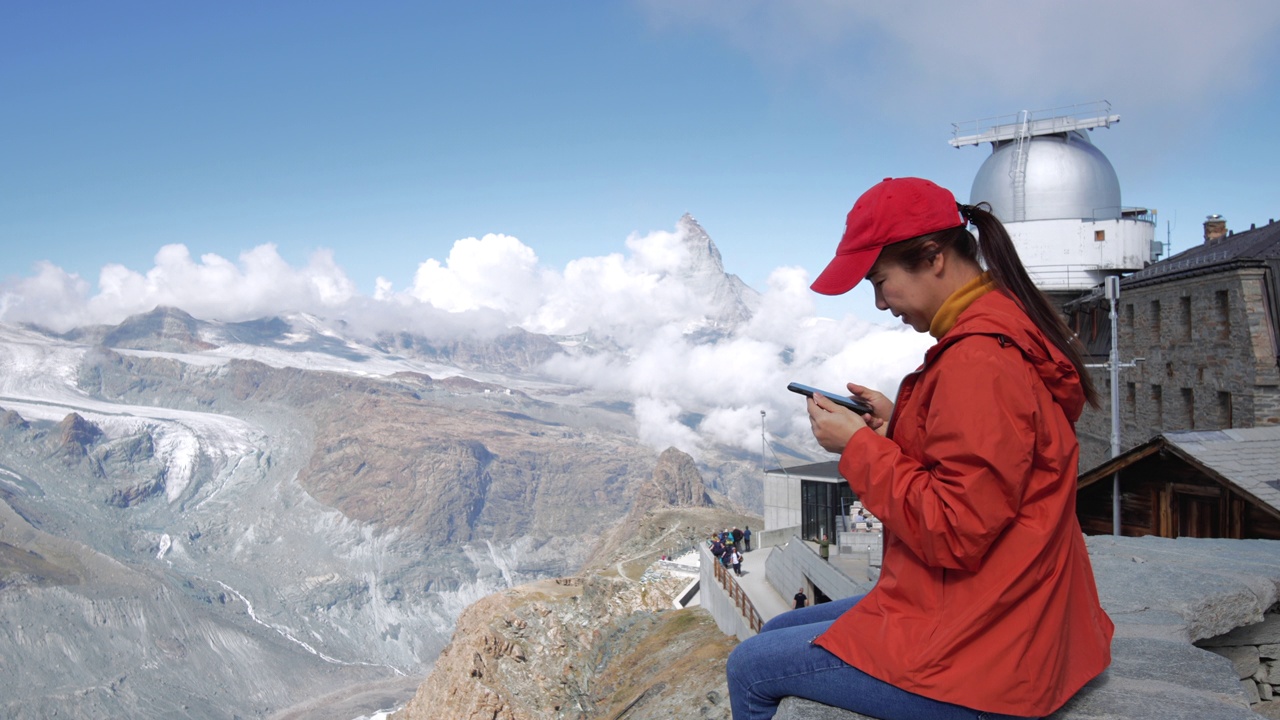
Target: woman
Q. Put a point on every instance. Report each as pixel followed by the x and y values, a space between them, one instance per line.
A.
pixel 986 604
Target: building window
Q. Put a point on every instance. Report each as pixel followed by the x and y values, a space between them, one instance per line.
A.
pixel 1223 308
pixel 822 503
pixel 1224 410
pixel 1099 235
pixel 1184 313
pixel 1188 409
pixel 1157 405
pixel 1128 315
pixel 1155 318
pixel 1131 398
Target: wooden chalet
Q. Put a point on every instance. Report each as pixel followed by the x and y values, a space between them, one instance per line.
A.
pixel 1204 484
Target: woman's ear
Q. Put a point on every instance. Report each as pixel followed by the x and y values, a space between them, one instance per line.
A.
pixel 937 260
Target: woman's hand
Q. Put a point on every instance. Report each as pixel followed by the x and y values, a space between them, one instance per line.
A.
pixel 832 424
pixel 879 420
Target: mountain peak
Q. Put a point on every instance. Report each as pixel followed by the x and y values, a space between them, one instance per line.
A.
pixel 730 301
pixel 677 482
pixel 694 234
pixel 74 430
pixel 163 328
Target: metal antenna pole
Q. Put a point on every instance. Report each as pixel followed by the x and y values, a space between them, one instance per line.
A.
pixel 1111 287
pixel 1113 294
pixel 764 444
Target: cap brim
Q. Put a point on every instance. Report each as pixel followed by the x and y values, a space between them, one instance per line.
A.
pixel 845 271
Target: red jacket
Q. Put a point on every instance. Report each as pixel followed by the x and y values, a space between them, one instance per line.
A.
pixel 986 597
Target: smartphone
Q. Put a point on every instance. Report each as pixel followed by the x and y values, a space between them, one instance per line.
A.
pixel 858 405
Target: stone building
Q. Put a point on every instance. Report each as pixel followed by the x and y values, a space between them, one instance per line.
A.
pixel 1205 324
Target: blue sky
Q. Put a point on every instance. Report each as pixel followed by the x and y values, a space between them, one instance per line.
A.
pixel 385 132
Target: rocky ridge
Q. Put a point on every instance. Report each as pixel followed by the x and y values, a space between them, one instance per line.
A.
pixel 600 643
pixel 585 647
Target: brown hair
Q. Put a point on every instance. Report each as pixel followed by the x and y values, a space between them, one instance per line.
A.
pixel 994 248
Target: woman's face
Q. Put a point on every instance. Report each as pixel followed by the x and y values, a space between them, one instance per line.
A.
pixel 905 293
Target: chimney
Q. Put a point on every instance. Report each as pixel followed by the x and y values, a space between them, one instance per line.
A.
pixel 1215 229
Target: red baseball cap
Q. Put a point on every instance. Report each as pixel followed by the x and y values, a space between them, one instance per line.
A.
pixel 893 210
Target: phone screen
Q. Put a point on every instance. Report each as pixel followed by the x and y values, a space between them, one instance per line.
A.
pixel 862 407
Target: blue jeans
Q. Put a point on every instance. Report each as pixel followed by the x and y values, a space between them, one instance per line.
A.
pixel 782 660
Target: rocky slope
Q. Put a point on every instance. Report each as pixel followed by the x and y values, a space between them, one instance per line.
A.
pixel 605 643
pixel 579 648
pixel 237 537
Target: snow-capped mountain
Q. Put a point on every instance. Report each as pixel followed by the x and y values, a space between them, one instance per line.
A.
pixel 729 301
pixel 206 518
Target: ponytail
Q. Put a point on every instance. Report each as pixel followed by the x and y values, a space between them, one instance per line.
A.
pixel 1001 259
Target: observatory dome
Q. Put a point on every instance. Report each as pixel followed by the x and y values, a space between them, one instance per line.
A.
pixel 1066 177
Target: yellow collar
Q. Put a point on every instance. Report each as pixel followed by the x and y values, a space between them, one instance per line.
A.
pixel 960 300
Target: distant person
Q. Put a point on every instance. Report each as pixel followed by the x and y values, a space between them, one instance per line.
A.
pixel 735 559
pixel 717 548
pixel 986 604
pixel 799 600
pixel 737 536
pixel 862 519
pixel 746 539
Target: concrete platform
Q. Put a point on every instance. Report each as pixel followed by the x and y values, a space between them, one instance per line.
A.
pixel 768 602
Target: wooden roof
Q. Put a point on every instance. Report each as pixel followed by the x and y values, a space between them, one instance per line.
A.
pixel 1246 459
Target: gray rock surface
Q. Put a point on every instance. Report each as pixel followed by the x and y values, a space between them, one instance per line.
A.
pixel 1164 595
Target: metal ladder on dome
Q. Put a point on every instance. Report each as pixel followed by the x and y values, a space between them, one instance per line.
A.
pixel 1018 173
pixel 1020 128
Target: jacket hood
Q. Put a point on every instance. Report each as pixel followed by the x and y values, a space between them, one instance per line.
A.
pixel 997 315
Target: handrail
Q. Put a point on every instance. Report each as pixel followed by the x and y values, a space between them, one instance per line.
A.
pixel 738 596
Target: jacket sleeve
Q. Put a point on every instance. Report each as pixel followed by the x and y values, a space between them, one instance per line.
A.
pixel 950 498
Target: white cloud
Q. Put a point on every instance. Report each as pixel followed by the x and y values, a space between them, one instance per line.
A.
pixel 261 284
pixel 659 426
pixel 624 296
pixel 52 297
pixel 657 252
pixel 614 294
pixel 497 272
pixel 787 298
pixel 1172 54
pixel 731 381
pixel 637 306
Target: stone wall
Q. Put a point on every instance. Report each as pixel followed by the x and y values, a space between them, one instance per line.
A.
pixel 1209 361
pixel 1254 652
